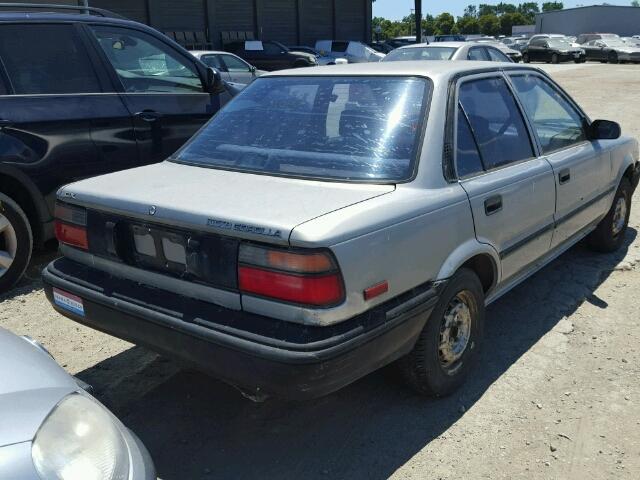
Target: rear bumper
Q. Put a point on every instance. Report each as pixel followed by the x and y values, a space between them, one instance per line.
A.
pixel 262 356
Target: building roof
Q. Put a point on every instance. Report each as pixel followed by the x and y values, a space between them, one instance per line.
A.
pixel 552 12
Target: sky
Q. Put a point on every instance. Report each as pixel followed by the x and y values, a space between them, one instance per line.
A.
pixel 396 9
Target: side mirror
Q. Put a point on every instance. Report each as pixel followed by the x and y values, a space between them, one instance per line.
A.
pixel 214 83
pixel 604 130
pixel 253 69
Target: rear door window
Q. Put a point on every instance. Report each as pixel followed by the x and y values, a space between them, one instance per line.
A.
pixel 479 54
pixel 468 161
pixel 496 122
pixel 145 64
pixel 46 59
pixel 497 56
pixel 348 128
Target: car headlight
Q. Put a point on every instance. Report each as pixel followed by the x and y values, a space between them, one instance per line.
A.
pixel 79 441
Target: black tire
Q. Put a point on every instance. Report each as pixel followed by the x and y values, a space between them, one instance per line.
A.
pixel 525 58
pixel 607 237
pixel 555 58
pixel 21 236
pixel 613 57
pixel 425 368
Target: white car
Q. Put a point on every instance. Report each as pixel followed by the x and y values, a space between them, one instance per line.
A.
pixel 231 67
pixel 353 52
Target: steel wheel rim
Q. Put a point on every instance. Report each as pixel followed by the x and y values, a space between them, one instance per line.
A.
pixel 455 331
pixel 8 245
pixel 619 216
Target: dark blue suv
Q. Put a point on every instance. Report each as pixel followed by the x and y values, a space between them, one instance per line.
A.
pixel 82 94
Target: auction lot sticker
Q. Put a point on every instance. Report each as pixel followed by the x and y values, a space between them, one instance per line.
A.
pixel 68 302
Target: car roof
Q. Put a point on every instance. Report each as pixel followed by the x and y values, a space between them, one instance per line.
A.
pixel 437 44
pixel 210 52
pixel 434 69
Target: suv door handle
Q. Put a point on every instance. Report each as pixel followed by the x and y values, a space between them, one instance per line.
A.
pixel 493 205
pixel 564 176
pixel 148 116
pixel 5 123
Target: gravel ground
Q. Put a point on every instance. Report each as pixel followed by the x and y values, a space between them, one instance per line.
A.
pixel 555 393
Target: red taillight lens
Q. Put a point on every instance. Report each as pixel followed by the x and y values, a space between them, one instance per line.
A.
pixel 71 226
pixel 298 277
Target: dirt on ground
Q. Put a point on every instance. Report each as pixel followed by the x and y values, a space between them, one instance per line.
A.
pixel 555 393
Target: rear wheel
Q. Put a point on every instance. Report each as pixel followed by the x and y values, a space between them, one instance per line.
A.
pixel 555 58
pixel 525 58
pixel 16 242
pixel 609 234
pixel 444 353
pixel 613 57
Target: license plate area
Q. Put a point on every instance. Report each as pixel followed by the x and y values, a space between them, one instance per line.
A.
pixel 158 249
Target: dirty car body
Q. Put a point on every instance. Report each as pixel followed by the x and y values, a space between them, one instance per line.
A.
pixel 52 428
pixel 329 222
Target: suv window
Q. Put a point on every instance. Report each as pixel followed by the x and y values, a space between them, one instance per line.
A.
pixel 556 122
pixel 538 42
pixel 234 64
pixel 497 56
pixel 496 122
pixel 339 46
pixel 468 159
pixel 478 53
pixel 145 64
pixel 46 59
pixel 272 48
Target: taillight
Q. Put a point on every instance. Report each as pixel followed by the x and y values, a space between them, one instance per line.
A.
pixel 71 226
pixel 305 278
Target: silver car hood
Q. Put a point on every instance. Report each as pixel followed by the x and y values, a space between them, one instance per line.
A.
pixel 258 207
pixel 31 384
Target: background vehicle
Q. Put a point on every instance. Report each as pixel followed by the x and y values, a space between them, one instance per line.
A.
pixel 323 59
pixel 231 67
pixel 588 37
pixel 52 428
pixel 519 44
pixel 448 51
pixel 552 50
pixel 271 55
pixel 634 42
pixel 514 55
pixel 320 273
pixel 449 38
pixel 83 95
pixel 611 50
pixel 354 52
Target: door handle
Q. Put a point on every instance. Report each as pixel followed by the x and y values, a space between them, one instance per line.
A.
pixel 564 176
pixel 493 205
pixel 5 123
pixel 148 116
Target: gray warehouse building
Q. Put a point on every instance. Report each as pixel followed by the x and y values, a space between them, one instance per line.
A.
pixel 292 22
pixel 625 21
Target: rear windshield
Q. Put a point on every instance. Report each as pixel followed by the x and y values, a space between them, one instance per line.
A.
pixel 418 53
pixel 346 128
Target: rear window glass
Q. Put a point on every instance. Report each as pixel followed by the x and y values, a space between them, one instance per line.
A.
pixel 417 53
pixel 348 128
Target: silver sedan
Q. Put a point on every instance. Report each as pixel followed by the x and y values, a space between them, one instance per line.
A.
pixel 447 51
pixel 231 67
pixel 51 428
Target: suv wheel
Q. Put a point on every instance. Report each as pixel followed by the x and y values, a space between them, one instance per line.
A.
pixel 16 242
pixel 609 234
pixel 555 58
pixel 444 353
pixel 525 58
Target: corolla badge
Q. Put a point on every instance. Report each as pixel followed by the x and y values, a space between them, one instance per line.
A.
pixel 152 210
pixel 239 227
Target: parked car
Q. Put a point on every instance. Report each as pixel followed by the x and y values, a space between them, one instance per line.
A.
pixel 231 67
pixel 448 51
pixel 589 37
pixel 611 50
pixel 449 38
pixel 553 50
pixel 271 55
pixel 354 52
pixel 311 250
pixel 519 44
pixel 322 59
pixel 634 42
pixel 514 55
pixel 97 94
pixel 52 428
pixel 381 47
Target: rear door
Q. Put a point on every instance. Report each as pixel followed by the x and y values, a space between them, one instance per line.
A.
pixel 62 119
pixel 510 189
pixel 160 85
pixel 581 168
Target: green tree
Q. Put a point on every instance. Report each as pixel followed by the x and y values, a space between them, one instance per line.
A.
pixel 529 10
pixel 468 25
pixel 429 25
pixel 508 20
pixel 485 9
pixel 444 23
pixel 471 11
pixel 550 6
pixel 503 8
pixel 489 24
pixel 635 3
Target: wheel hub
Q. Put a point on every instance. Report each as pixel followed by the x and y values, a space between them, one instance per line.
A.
pixel 619 216
pixel 8 244
pixel 455 330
